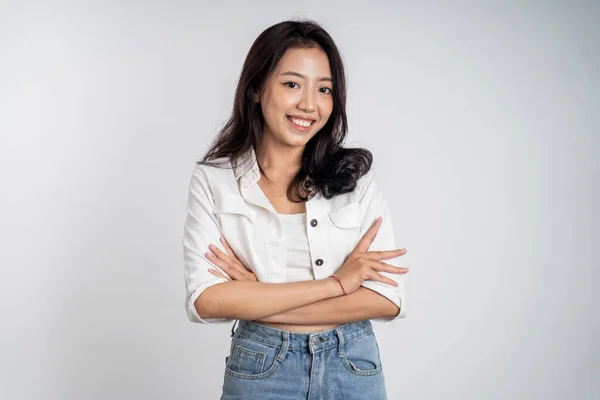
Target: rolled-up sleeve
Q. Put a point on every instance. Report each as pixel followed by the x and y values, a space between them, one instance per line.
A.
pixel 201 229
pixel 373 204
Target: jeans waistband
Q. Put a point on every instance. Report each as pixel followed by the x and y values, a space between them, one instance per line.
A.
pixel 310 341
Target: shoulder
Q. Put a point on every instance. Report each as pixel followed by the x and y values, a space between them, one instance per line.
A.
pixel 213 173
pixel 215 180
pixel 366 186
pixel 210 178
pixel 366 183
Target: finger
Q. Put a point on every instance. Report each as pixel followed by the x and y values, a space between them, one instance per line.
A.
pixel 232 262
pixel 218 274
pixel 367 239
pixel 251 277
pixel 217 252
pixel 381 266
pixel 226 267
pixel 376 276
pixel 227 248
pixel 232 254
pixel 383 254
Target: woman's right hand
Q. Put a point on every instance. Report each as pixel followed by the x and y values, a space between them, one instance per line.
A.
pixel 362 265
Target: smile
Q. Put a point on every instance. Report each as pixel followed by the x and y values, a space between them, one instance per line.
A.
pixel 300 124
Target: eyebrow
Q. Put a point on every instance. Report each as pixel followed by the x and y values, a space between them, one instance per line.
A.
pixel 302 76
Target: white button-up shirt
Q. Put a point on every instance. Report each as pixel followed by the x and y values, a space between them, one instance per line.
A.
pixel 229 202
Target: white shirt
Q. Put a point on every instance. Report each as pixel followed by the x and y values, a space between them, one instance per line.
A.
pixel 229 202
pixel 298 266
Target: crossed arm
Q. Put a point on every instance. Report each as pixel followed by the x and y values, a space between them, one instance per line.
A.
pixel 359 305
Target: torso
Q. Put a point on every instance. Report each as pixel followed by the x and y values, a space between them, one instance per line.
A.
pixel 278 198
pixel 299 328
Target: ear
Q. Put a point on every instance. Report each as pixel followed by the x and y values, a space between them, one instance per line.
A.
pixel 257 97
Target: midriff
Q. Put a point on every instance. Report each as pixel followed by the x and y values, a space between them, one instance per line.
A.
pixel 298 328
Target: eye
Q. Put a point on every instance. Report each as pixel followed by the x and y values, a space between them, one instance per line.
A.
pixel 328 90
pixel 291 83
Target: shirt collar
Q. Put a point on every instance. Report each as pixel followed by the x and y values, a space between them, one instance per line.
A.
pixel 245 168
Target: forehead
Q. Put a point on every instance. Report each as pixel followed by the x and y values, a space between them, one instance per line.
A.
pixel 312 62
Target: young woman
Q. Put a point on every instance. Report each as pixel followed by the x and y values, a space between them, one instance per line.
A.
pixel 283 231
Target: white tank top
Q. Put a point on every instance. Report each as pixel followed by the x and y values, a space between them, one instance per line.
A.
pixel 295 241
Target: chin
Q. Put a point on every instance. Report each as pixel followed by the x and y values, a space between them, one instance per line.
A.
pixel 296 143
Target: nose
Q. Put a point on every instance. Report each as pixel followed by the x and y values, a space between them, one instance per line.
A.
pixel 307 102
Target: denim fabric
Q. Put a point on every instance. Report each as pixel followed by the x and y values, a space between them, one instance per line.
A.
pixel 340 364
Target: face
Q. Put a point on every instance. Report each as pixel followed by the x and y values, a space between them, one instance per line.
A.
pixel 296 100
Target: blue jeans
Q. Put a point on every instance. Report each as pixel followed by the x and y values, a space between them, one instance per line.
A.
pixel 267 363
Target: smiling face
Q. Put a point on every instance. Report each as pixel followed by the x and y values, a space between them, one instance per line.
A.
pixel 296 100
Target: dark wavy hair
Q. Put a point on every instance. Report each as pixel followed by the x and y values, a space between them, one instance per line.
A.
pixel 327 167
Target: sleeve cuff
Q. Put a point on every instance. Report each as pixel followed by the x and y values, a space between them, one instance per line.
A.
pixel 191 309
pixel 392 294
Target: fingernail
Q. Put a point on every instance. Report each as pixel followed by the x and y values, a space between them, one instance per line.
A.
pixel 209 255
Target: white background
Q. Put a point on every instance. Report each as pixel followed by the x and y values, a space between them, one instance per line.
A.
pixel 483 120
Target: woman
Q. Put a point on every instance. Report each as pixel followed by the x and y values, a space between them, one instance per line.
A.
pixel 283 233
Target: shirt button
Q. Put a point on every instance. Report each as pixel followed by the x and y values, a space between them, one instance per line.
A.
pixel 319 262
pixel 314 222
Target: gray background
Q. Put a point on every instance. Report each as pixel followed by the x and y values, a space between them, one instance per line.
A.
pixel 483 119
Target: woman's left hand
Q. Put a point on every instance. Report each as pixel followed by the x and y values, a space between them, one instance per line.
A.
pixel 229 263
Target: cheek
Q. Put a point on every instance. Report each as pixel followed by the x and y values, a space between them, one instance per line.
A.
pixel 270 112
pixel 276 105
pixel 326 113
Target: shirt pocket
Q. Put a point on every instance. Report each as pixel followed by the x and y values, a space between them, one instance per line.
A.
pixel 345 231
pixel 236 219
pixel 347 217
pixel 232 206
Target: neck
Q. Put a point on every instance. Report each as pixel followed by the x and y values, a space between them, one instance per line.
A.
pixel 279 160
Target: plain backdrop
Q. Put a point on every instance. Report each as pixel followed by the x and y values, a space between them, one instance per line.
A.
pixel 483 120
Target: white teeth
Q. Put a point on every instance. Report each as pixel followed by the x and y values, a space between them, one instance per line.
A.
pixel 300 122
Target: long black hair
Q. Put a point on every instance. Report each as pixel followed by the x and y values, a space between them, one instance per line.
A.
pixel 327 167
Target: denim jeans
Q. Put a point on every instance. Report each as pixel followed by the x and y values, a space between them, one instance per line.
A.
pixel 339 364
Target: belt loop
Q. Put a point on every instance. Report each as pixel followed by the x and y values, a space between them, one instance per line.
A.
pixel 233 326
pixel 341 342
pixel 284 346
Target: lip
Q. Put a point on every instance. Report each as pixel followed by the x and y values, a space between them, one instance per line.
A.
pixel 298 127
pixel 302 118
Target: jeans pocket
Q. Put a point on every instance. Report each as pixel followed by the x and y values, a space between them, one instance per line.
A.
pixel 250 359
pixel 361 355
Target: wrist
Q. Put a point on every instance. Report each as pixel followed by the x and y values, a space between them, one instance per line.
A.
pixel 340 286
pixel 332 287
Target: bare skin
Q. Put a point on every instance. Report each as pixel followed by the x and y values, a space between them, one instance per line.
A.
pixel 361 264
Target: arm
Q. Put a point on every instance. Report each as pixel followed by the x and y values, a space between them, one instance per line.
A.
pixel 255 300
pixel 386 306
pixel 375 300
pixel 374 204
pixel 357 306
pixel 212 299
